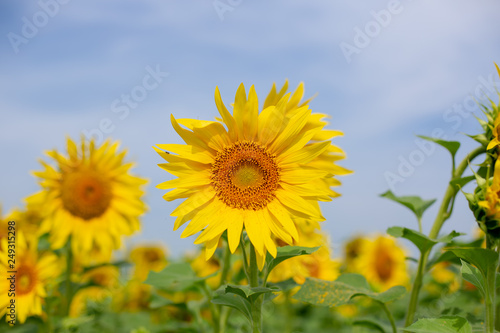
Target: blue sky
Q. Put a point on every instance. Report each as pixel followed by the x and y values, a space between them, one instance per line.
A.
pixel 413 72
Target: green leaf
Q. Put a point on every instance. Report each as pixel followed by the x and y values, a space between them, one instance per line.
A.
pixel 444 324
pixel 461 182
pixel 451 146
pixel 341 291
pixel 234 301
pixel 368 323
pixel 248 292
pixel 484 259
pixel 416 204
pixel 158 301
pixel 474 276
pixel 287 252
pixel 285 286
pixel 175 277
pixel 421 241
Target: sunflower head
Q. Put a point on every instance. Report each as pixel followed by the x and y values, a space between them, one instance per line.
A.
pixel 382 261
pixel 251 170
pixel 34 274
pixel 147 258
pixel 89 196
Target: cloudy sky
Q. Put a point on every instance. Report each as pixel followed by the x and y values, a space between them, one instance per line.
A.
pixel 383 70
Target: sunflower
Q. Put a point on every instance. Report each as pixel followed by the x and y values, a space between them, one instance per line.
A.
pixel 83 296
pixel 106 276
pixel 351 251
pixel 147 258
pixel 34 272
pixel 382 262
pixel 318 264
pixel 256 173
pixel 90 196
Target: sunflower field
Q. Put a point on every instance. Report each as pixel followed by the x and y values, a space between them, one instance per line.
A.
pixel 248 185
pixel 235 166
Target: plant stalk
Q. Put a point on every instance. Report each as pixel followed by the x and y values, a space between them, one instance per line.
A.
pixel 254 282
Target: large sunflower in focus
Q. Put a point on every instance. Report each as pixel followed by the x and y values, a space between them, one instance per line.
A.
pixel 89 196
pixel 253 170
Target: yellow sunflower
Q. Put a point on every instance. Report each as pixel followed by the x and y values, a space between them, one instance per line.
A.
pixel 147 258
pixel 34 272
pixel 83 296
pixel 106 276
pixel 352 249
pixel 382 261
pixel 89 196
pixel 256 173
pixel 318 264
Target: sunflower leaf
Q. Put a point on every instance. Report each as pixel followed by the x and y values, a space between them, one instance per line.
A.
pixel 249 292
pixel 451 146
pixel 461 182
pixel 234 301
pixel 341 291
pixel 370 324
pixel 474 276
pixel 444 324
pixel 421 241
pixel 416 204
pixel 287 252
pixel 175 277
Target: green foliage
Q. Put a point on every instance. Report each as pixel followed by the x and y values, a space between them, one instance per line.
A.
pixel 287 252
pixel 342 290
pixel 175 277
pixel 416 204
pixel 444 324
pixel 421 241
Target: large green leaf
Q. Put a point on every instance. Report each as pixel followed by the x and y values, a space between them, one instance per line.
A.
pixel 445 324
pixel 474 276
pixel 484 259
pixel 249 293
pixel 451 146
pixel 341 291
pixel 421 241
pixel 234 301
pixel 416 204
pixel 175 277
pixel 287 252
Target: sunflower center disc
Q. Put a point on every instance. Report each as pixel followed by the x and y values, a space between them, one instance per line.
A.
pixel 25 280
pixel 86 194
pixel 245 176
pixel 384 265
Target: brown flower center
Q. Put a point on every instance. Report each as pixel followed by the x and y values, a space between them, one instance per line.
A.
pixel 25 279
pixel 86 194
pixel 245 176
pixel 384 265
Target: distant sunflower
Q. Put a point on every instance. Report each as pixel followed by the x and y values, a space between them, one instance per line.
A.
pixel 319 264
pixel 256 173
pixel 90 196
pixel 382 262
pixel 34 273
pixel 147 258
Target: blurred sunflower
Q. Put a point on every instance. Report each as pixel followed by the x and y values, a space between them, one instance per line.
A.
pixel 382 262
pixel 351 251
pixel 83 296
pixel 90 196
pixel 255 173
pixel 147 258
pixel 106 276
pixel 34 273
pixel 495 140
pixel 318 264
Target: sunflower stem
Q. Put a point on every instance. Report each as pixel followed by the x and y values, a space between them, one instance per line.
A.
pixel 389 316
pixel 443 214
pixel 69 285
pixel 226 265
pixel 254 282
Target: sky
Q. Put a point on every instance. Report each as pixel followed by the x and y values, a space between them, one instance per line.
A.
pixel 384 71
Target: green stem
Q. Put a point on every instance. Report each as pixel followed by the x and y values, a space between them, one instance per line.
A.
pixel 254 282
pixel 443 214
pixel 213 308
pixel 69 285
pixel 390 317
pixel 415 290
pixel 420 224
pixel 226 265
pixel 246 268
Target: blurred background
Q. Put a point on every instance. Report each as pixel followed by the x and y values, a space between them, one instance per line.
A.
pixel 383 70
